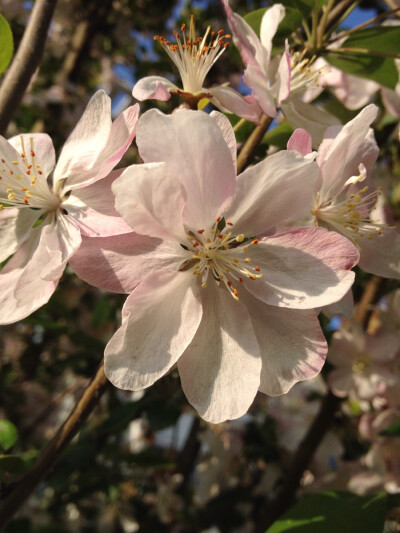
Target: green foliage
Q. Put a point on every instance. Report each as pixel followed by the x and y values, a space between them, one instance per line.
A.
pixel 391 431
pixel 290 23
pixel 278 136
pixel 385 39
pixel 330 512
pixel 6 44
pixel 8 434
pixel 304 6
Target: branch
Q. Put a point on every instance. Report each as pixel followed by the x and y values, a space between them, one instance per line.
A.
pixel 26 60
pixel 52 453
pixel 247 152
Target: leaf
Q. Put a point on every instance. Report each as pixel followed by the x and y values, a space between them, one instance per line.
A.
pixel 278 136
pixel 304 6
pixel 384 39
pixel 333 512
pixel 380 69
pixel 6 44
pixel 391 431
pixel 8 434
pixel 290 23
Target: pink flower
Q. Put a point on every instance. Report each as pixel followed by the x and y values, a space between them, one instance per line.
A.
pixel 45 217
pixel 194 58
pixel 345 199
pixel 363 362
pixel 284 81
pixel 213 288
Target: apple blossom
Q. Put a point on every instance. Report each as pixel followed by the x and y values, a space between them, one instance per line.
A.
pixel 280 82
pixel 194 57
pixel 43 218
pixel 214 289
pixel 345 199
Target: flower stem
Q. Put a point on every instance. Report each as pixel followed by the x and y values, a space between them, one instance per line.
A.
pixel 26 60
pixel 54 449
pixel 247 152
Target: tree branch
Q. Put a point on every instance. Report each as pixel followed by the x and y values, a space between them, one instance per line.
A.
pixel 247 152
pixel 26 60
pixel 52 453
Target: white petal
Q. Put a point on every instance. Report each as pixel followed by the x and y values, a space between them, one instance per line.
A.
pixel 15 227
pixel 227 131
pixel 230 101
pixel 161 317
pixel 153 87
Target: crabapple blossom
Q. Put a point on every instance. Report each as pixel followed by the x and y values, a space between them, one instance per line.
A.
pixel 284 81
pixel 345 199
pixel 194 57
pixel 43 217
pixel 214 289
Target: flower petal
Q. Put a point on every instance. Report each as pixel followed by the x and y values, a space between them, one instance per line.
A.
pixel 381 254
pixel 144 195
pixel 153 87
pixel 303 269
pixel 161 317
pixel 96 144
pixel 196 154
pixel 15 227
pixel 228 133
pixel 92 207
pixel 220 369
pixel 275 192
pixel 119 263
pixel 258 82
pixel 300 141
pixel 230 101
pixel 269 25
pixel 293 347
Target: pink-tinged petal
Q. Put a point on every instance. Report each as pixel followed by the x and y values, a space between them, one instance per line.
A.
pixel 230 101
pixel 283 76
pixel 293 347
pixel 196 154
pixel 161 317
pixel 15 227
pixel 121 262
pixel 303 269
pixel 153 88
pixel 340 381
pixel 258 82
pixel 276 191
pixel 228 133
pixel 354 92
pixel 56 245
pixel 144 195
pixel 92 207
pixel 300 141
pixel 42 147
pixel 381 254
pixel 96 144
pixel 269 25
pixel 343 307
pixel 244 37
pixel 391 100
pixel 220 369
pixel 342 152
pixel 310 117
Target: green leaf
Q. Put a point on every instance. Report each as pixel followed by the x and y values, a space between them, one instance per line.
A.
pixel 384 39
pixel 290 23
pixel 6 44
pixel 380 69
pixel 391 431
pixel 304 6
pixel 278 136
pixel 8 434
pixel 333 512
pixel 11 464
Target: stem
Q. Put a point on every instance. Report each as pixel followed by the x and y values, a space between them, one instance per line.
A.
pixel 247 152
pixel 322 24
pixel 52 453
pixel 239 124
pixel 314 27
pixel 26 60
pixel 338 14
pixel 361 26
pixel 348 51
pixel 369 297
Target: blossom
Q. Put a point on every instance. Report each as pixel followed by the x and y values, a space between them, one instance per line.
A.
pixel 44 218
pixel 345 199
pixel 363 362
pixel 213 288
pixel 284 81
pixel 194 57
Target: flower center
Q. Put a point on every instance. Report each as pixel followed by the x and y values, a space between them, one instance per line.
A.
pixel 193 56
pixel 303 75
pixel 361 364
pixel 222 254
pixel 22 183
pixel 351 216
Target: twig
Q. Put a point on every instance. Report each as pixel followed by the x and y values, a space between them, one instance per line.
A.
pixel 369 297
pixel 26 60
pixel 52 453
pixel 188 456
pixel 247 152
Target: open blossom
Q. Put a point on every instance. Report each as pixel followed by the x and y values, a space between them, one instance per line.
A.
pixel 363 362
pixel 44 217
pixel 284 81
pixel 194 57
pixel 213 288
pixel 345 199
